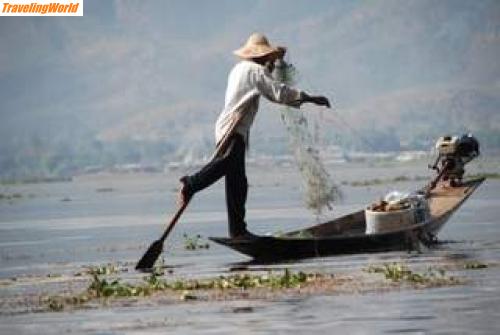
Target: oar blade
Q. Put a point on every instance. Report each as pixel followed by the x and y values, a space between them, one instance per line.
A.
pixel 149 258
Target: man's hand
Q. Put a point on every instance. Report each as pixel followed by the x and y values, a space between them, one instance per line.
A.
pixel 320 101
pixel 316 99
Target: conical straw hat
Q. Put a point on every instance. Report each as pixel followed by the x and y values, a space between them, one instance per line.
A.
pixel 257 46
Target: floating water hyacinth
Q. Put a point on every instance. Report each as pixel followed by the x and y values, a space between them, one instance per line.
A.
pixel 320 190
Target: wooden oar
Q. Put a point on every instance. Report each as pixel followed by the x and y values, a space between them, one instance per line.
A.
pixel 155 249
pixel 149 258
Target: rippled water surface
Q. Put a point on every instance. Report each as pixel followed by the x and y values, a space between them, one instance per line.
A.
pixel 58 228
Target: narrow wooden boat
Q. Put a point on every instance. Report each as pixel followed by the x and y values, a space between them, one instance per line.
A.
pixel 346 235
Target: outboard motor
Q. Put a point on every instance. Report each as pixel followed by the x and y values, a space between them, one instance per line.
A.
pixel 453 153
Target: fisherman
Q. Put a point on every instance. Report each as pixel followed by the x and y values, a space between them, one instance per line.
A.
pixel 248 80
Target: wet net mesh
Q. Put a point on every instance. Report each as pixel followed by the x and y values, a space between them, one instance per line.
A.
pixel 320 190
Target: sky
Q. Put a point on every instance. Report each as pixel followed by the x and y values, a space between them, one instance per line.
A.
pixel 158 69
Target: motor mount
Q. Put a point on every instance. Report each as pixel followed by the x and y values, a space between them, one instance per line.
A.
pixel 454 153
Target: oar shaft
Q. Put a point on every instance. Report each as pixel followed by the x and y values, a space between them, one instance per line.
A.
pixel 174 220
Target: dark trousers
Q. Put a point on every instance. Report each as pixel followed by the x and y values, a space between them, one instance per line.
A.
pixel 230 164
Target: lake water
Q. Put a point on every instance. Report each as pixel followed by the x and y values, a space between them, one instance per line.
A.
pixel 58 228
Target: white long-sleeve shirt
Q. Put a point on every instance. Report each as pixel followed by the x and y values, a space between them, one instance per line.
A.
pixel 246 83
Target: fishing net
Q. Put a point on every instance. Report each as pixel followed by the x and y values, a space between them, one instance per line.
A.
pixel 320 190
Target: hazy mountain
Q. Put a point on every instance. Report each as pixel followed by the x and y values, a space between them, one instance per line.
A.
pixel 143 80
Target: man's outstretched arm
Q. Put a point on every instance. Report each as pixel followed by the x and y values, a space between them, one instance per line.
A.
pixel 281 93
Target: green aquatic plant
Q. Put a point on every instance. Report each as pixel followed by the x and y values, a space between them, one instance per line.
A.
pixel 398 272
pixel 106 269
pixel 245 281
pixel 59 303
pixel 103 288
pixel 475 266
pixel 194 242
pixel 155 282
pixel 55 304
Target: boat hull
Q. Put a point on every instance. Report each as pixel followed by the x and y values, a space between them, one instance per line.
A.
pixel 346 235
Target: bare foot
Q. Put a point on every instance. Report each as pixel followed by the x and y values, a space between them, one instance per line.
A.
pixel 184 195
pixel 245 236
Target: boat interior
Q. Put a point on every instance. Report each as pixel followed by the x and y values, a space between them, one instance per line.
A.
pixel 442 201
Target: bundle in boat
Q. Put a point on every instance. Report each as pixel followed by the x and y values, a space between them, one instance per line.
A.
pixel 396 211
